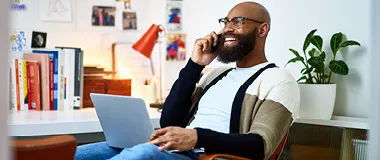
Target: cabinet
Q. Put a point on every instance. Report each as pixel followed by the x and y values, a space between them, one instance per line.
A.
pixel 104 86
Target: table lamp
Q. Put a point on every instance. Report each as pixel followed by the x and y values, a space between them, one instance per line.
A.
pixel 145 46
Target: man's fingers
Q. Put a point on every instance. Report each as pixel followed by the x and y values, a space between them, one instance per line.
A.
pixel 158 133
pixel 206 44
pixel 215 38
pixel 167 146
pixel 159 140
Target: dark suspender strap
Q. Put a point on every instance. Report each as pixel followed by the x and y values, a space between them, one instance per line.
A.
pixel 195 107
pixel 238 101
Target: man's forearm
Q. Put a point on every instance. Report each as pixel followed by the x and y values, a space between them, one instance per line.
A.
pixel 178 102
pixel 245 145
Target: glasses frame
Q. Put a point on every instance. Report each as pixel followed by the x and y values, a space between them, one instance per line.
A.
pixel 225 20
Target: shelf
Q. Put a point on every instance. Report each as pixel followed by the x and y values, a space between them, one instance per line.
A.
pixel 338 121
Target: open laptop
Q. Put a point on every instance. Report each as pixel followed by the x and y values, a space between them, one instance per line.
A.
pixel 125 120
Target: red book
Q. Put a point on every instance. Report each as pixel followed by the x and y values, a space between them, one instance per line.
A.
pixel 29 88
pixel 51 84
pixel 34 85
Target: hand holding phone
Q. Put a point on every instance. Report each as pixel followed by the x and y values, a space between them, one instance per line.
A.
pixel 213 48
pixel 204 48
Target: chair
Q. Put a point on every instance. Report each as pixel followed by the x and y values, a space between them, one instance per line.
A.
pixel 55 147
pixel 275 155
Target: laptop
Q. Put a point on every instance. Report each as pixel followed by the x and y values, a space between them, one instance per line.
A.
pixel 125 120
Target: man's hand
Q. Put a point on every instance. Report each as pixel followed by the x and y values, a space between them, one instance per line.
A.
pixel 201 52
pixel 174 138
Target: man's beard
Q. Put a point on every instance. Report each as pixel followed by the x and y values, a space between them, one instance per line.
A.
pixel 245 44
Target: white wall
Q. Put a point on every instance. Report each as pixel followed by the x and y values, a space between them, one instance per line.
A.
pixel 4 100
pixel 291 21
pixel 374 115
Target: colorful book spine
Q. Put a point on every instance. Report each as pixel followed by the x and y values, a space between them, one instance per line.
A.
pixel 34 85
pixel 54 58
pixel 17 81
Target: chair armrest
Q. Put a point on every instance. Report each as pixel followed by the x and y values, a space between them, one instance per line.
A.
pixel 55 147
pixel 226 156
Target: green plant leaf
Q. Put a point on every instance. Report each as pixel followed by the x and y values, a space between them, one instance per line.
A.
pixel 317 41
pixel 349 43
pixel 339 67
pixel 293 60
pixel 307 40
pixel 312 52
pixel 335 42
pixel 302 78
pixel 302 70
pixel 308 71
pixel 323 55
pixel 317 62
pixel 295 52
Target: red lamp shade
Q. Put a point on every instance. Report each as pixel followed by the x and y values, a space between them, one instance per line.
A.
pixel 147 41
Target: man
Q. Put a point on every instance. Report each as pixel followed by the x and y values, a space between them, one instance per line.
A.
pixel 244 111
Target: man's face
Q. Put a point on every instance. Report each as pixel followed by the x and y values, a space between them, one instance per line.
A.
pixel 234 46
pixel 239 35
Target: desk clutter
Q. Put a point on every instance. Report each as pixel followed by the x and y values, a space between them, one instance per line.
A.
pixel 47 79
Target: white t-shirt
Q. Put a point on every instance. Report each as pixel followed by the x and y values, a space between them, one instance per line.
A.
pixel 214 110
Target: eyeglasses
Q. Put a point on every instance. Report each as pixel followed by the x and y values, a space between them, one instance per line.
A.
pixel 236 21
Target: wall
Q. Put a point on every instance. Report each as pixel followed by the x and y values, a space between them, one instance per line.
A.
pixel 374 115
pixel 291 21
pixel 95 41
pixel 4 101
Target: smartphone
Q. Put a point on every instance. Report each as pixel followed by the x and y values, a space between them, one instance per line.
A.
pixel 213 48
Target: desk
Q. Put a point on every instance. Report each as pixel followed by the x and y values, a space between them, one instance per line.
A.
pixel 44 123
pixel 85 124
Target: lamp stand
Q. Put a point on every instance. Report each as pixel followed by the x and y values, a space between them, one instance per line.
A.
pixel 159 103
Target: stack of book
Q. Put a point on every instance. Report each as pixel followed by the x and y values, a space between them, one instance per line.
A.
pixel 47 79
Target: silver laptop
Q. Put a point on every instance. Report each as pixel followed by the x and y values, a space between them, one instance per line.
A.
pixel 125 120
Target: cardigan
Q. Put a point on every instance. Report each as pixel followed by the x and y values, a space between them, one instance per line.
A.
pixel 268 110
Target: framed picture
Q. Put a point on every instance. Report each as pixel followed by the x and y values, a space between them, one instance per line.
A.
pixel 176 47
pixel 129 20
pixel 103 16
pixel 174 16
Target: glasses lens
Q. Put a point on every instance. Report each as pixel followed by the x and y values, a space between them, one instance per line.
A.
pixel 236 21
pixel 222 22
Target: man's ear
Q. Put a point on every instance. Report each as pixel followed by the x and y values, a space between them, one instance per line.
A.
pixel 263 30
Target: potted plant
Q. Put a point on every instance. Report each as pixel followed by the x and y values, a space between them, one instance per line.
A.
pixel 317 91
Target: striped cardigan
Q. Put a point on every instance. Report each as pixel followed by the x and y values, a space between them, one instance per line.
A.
pixel 269 108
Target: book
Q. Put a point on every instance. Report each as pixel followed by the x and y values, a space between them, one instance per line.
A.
pixel 23 85
pixel 78 75
pixel 44 63
pixel 53 57
pixel 34 93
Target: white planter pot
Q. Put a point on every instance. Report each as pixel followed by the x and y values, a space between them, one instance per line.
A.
pixel 317 101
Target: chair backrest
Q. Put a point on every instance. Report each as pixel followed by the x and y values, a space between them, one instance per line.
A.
pixel 55 147
pixel 278 151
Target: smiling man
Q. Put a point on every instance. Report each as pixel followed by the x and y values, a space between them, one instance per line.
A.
pixel 244 111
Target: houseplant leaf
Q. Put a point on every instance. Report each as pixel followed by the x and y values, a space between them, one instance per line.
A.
pixel 307 71
pixel 307 40
pixel 295 52
pixel 293 60
pixel 317 62
pixel 302 70
pixel 312 52
pixel 317 41
pixel 335 42
pixel 302 78
pixel 339 67
pixel 349 43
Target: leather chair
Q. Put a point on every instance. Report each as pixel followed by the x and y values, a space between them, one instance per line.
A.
pixel 275 155
pixel 55 147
